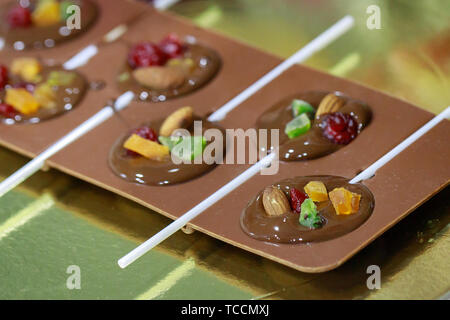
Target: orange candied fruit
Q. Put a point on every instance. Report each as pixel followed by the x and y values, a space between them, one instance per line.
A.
pixel 21 100
pixel 345 202
pixel 316 191
pixel 146 148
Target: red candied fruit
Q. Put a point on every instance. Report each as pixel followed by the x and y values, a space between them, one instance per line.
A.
pixel 7 111
pixel 171 46
pixel 19 17
pixel 146 54
pixel 297 198
pixel 4 78
pixel 340 128
pixel 146 133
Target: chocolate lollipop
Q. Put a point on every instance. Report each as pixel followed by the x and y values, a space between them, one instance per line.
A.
pixel 171 68
pixel 44 23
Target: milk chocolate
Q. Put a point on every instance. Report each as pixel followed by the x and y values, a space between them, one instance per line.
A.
pixel 287 229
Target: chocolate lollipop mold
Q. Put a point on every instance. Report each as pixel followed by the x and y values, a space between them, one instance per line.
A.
pixel 172 68
pixel 38 24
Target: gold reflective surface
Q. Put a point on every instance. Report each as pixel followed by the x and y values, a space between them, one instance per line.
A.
pixel 53 220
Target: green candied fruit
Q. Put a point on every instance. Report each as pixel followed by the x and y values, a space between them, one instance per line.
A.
pixel 60 78
pixel 189 148
pixel 63 7
pixel 170 142
pixel 309 216
pixel 300 106
pixel 298 126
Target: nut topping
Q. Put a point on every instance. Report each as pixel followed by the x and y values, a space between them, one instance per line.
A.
pixel 159 78
pixel 182 118
pixel 331 103
pixel 275 202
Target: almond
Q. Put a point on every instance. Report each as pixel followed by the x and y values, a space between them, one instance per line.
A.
pixel 159 78
pixel 182 118
pixel 331 103
pixel 275 202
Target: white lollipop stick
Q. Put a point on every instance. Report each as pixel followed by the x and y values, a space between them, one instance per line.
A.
pixel 236 182
pixel 37 163
pixel 323 40
pixel 195 211
pixel 370 171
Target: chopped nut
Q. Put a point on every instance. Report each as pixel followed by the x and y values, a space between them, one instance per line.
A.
pixel 146 148
pixel 27 68
pixel 182 118
pixel 331 103
pixel 344 201
pixel 159 78
pixel 21 100
pixel 317 191
pixel 275 202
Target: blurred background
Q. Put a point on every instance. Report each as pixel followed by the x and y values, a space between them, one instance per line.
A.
pixel 54 221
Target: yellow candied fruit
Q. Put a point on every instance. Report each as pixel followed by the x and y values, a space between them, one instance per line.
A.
pixel 27 68
pixel 47 12
pixel 186 64
pixel 317 191
pixel 45 96
pixel 22 101
pixel 345 202
pixel 146 148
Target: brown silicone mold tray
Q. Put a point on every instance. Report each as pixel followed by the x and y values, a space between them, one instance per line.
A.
pixel 399 187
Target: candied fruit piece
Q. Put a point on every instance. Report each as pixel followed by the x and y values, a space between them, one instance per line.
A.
pixel 189 148
pixel 60 78
pixel 45 96
pixel 7 111
pixel 47 12
pixel 297 199
pixel 19 17
pixel 317 191
pixel 300 106
pixel 146 148
pixel 309 216
pixel 345 202
pixel 298 126
pixel 4 77
pixel 27 68
pixel 21 100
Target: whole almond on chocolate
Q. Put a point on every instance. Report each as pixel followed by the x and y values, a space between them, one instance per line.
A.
pixel 275 202
pixel 182 118
pixel 159 78
pixel 331 103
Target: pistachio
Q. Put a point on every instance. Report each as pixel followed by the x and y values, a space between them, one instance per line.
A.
pixel 182 118
pixel 275 202
pixel 159 78
pixel 331 103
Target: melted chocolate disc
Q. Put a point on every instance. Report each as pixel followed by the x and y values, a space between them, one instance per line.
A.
pixel 287 229
pixel 312 144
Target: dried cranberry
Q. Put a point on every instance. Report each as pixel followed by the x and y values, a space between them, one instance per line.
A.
pixel 171 46
pixel 297 198
pixel 146 54
pixel 19 17
pixel 340 128
pixel 4 78
pixel 7 111
pixel 146 133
